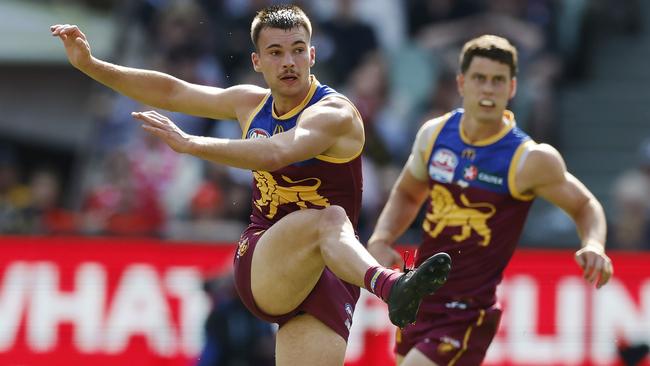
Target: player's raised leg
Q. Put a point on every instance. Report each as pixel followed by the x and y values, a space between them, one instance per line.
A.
pixel 291 255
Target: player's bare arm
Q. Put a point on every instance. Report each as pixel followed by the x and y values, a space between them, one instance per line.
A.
pixel 406 198
pixel 335 116
pixel 158 89
pixel 544 174
pixel 327 128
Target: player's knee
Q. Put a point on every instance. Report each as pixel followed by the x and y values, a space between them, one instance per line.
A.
pixel 332 222
pixel 331 218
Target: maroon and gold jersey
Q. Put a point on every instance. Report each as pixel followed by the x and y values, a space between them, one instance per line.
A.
pixel 315 183
pixel 474 212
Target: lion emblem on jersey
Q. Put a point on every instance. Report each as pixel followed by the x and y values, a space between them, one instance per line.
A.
pixel 298 192
pixel 445 212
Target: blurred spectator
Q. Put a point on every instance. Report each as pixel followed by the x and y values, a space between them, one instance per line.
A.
pixel 169 24
pixel 501 17
pixel 411 75
pixel 117 206
pixel 582 23
pixel 156 170
pixel 527 25
pixel 231 34
pixel 45 213
pixel 619 15
pixel 234 337
pixel 181 24
pixel 14 196
pixel 218 209
pixel 386 17
pixel 367 87
pixel 631 194
pixel 444 96
pixel 422 13
pixel 350 39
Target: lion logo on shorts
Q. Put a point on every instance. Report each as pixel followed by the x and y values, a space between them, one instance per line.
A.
pixel 445 212
pixel 275 195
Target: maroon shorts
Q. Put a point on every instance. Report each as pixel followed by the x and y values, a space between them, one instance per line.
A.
pixel 332 301
pixel 457 337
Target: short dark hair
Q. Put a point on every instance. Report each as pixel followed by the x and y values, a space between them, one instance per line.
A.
pixel 489 46
pixel 279 16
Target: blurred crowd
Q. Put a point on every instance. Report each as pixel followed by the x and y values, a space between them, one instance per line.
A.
pixel 396 60
pixel 233 335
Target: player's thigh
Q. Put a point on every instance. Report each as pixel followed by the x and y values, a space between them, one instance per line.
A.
pixel 415 358
pixel 305 340
pixel 287 262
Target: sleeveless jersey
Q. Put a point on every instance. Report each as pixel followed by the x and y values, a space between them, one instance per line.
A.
pixel 474 212
pixel 315 183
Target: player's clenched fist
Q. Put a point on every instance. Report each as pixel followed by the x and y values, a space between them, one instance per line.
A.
pixel 596 266
pixel 75 42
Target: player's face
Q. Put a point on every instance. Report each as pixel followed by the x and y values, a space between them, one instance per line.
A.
pixel 284 59
pixel 486 88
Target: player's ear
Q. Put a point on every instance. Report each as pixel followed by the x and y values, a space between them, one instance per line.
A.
pixel 255 59
pixel 312 56
pixel 513 87
pixel 460 82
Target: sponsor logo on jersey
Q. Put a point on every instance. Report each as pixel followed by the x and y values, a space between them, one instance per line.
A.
pixel 490 178
pixel 278 129
pixel 442 166
pixel 257 133
pixel 470 173
pixel 468 153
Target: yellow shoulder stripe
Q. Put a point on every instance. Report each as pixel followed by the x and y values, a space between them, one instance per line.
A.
pixel 512 172
pixel 434 137
pixel 253 114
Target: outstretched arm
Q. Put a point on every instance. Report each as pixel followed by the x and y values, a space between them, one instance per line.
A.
pixel 155 88
pixel 544 173
pixel 402 207
pixel 406 198
pixel 322 128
